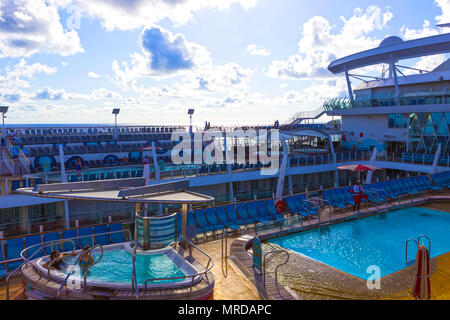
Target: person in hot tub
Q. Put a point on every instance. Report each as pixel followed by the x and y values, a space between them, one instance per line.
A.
pixel 58 260
pixel 86 259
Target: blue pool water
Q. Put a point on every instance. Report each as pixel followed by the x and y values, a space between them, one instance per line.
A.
pixel 116 267
pixel 379 240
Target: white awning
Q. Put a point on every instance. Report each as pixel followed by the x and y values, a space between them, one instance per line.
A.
pixel 20 200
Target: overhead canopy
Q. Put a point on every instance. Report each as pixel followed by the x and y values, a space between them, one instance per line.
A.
pixel 14 200
pixel 120 190
pixel 397 51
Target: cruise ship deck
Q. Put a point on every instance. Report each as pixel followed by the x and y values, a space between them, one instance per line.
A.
pixel 241 212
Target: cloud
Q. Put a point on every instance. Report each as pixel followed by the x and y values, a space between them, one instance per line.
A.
pixel 28 27
pixel 256 50
pixel 319 45
pixel 18 76
pixel 127 15
pixel 445 8
pixel 164 54
pixel 92 74
pixel 168 52
pixel 47 93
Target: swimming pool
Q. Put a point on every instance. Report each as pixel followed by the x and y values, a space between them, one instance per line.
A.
pixel 115 268
pixel 378 240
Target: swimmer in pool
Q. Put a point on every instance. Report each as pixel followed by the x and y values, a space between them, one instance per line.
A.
pixel 86 259
pixel 58 260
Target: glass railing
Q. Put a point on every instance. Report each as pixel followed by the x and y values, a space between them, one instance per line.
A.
pixel 405 99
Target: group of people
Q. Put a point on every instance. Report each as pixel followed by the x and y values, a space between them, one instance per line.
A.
pixel 123 161
pixel 57 260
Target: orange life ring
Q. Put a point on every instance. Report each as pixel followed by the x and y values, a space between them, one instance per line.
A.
pixel 280 206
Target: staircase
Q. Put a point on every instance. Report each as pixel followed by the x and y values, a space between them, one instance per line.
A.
pixel 299 117
pixel 13 164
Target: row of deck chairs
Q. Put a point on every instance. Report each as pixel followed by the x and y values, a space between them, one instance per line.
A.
pixel 382 191
pixel 99 234
pixel 442 179
pixel 298 205
pixel 242 216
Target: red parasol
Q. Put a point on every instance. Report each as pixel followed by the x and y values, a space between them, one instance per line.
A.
pixel 421 287
pixel 150 148
pixel 358 167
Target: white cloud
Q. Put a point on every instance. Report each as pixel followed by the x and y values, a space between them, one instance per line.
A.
pixel 28 27
pixel 92 74
pixel 256 50
pixel 319 46
pixel 445 7
pixel 127 15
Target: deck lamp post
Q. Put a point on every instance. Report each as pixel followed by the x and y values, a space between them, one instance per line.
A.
pixel 115 112
pixel 3 110
pixel 190 113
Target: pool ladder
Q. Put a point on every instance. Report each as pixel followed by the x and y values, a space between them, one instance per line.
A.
pixel 417 242
pixel 278 265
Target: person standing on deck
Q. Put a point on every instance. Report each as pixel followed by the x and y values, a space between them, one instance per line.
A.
pixel 357 195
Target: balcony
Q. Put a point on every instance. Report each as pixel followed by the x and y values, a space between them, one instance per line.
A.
pixel 388 100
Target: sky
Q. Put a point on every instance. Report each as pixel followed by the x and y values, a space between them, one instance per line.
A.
pixel 233 61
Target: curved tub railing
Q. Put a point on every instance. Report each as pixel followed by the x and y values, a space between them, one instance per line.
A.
pixel 203 274
pixel 71 271
pixel 26 259
pixel 279 265
pixel 134 284
pixel 93 264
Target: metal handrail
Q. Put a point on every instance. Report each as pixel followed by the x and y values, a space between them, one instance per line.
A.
pixel 203 273
pixel 93 264
pixel 276 269
pixel 224 256
pixel 406 249
pixel 429 242
pixel 71 271
pixel 27 259
pixel 417 245
pixel 134 284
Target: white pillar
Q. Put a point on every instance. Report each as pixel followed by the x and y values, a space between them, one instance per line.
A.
pixel 349 85
pixel 372 161
pixel 437 155
pixel 155 162
pixel 66 213
pixel 62 162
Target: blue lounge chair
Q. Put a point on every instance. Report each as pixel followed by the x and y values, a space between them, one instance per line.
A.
pixel 13 248
pixel 212 220
pixel 251 209
pixel 53 236
pixel 70 234
pixel 86 241
pixel 31 241
pixel 116 233
pixel 263 210
pixel 241 209
pixel 223 218
pixel 232 216
pixel 101 239
pixel 202 223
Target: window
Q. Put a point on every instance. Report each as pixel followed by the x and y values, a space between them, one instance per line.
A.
pixel 398 120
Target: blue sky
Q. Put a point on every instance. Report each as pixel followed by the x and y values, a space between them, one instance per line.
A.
pixel 234 61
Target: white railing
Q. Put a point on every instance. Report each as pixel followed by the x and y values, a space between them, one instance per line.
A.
pixel 7 161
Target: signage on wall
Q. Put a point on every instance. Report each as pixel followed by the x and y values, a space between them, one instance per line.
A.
pixel 257 254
